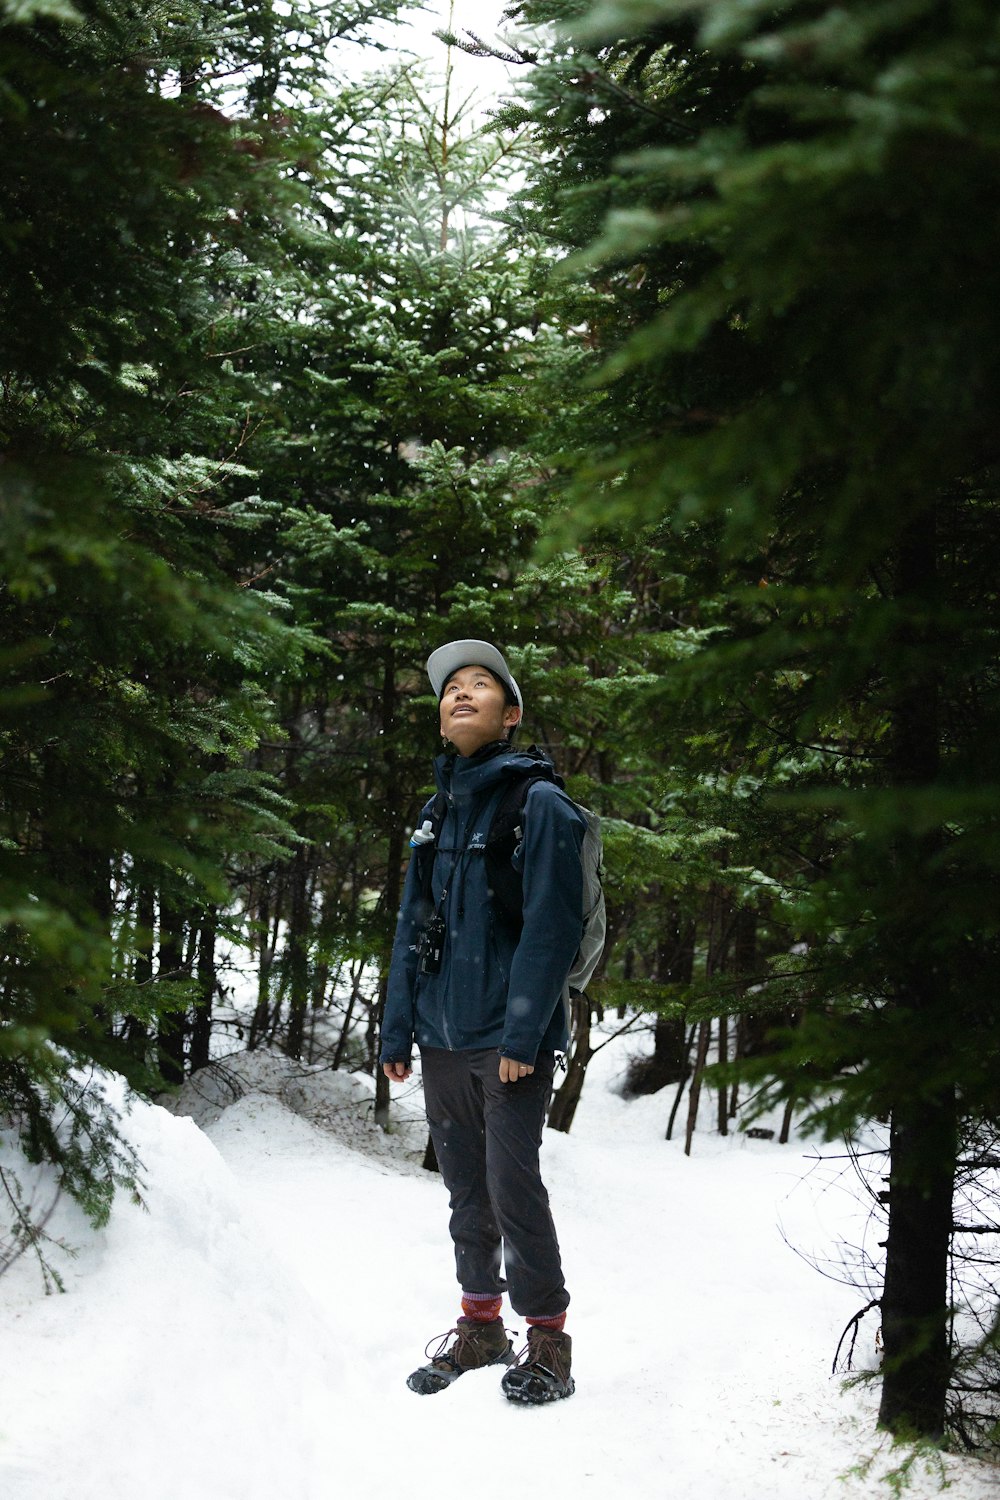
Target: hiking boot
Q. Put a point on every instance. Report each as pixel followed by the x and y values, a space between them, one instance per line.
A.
pixel 541 1371
pixel 476 1346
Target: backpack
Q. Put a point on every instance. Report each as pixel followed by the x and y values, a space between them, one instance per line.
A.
pixel 505 834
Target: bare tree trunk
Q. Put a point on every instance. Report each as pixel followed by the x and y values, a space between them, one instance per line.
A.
pixel 136 1033
pixel 745 964
pixel 923 1139
pixel 723 1046
pixel 201 1030
pixel 320 976
pixel 916 1369
pixel 566 1098
pixel 297 950
pixel 382 1093
pixel 688 1045
pixel 704 1036
pixel 734 1088
pixel 393 886
pixel 173 1026
pixel 345 1030
pixel 265 957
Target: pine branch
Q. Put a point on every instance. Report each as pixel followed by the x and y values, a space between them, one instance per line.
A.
pixel 476 47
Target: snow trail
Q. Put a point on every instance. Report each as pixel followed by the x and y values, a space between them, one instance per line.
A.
pixel 251 1333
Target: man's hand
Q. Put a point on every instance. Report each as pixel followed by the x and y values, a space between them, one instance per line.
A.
pixel 511 1070
pixel 397 1072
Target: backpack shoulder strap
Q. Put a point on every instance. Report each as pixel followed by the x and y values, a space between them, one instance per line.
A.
pixel 509 810
pixel 504 837
pixel 423 851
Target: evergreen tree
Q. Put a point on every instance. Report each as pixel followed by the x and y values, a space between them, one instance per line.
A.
pixel 800 367
pixel 139 195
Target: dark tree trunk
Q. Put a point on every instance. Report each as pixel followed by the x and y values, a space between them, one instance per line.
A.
pixel 297 950
pixel 923 1140
pixel 393 883
pixel 723 1093
pixel 688 1048
pixel 745 964
pixel 345 1030
pixel 915 1296
pixel 567 1096
pixel 261 1022
pixel 320 974
pixel 704 1036
pixel 173 1026
pixel 382 1092
pixel 201 1029
pixel 136 1035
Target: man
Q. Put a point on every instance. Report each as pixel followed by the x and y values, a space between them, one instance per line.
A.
pixel 482 996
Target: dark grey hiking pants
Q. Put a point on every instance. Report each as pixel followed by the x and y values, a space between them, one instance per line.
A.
pixel 487 1136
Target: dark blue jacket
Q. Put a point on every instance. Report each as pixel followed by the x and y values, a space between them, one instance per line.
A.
pixel 495 988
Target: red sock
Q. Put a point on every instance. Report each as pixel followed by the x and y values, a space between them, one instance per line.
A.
pixel 557 1323
pixel 481 1307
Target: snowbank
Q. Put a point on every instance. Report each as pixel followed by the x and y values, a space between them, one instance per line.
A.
pixel 180 1363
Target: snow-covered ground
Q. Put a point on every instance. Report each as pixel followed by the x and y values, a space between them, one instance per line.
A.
pixel 248 1333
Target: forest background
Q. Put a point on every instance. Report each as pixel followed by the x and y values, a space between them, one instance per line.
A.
pixel 681 381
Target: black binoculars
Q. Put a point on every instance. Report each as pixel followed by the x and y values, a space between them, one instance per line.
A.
pixel 431 946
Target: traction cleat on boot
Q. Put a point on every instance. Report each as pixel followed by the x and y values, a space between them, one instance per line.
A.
pixel 476 1346
pixel 541 1371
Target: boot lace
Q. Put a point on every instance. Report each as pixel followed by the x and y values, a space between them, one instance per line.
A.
pixel 546 1351
pixel 464 1354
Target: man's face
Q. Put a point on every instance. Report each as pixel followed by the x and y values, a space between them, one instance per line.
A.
pixel 474 711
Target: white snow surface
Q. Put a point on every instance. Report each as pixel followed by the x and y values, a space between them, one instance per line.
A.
pixel 247 1333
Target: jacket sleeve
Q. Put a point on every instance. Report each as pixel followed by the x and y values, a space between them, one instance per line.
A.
pixel 398 1022
pixel 552 880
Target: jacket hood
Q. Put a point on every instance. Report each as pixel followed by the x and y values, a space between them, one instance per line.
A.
pixel 483 772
